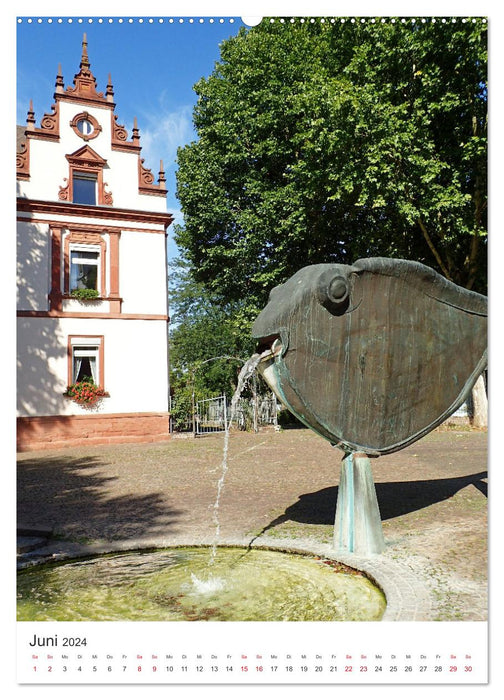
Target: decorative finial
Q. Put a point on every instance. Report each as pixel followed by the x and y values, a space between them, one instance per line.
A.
pixel 84 59
pixel 30 119
pixel 136 133
pixel 84 80
pixel 110 89
pixel 162 178
pixel 59 80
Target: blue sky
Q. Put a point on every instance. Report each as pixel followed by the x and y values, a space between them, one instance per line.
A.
pixel 153 66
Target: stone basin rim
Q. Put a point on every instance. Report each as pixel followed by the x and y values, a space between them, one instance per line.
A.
pixel 407 599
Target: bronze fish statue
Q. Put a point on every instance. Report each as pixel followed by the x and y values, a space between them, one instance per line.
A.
pixel 372 356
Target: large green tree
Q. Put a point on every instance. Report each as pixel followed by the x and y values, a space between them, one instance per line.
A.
pixel 329 141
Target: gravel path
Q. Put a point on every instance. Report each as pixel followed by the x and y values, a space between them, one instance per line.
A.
pixel 280 488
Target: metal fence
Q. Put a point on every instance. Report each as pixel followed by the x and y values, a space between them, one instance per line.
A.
pixel 213 415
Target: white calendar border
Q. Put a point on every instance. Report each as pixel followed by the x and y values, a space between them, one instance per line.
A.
pixel 391 630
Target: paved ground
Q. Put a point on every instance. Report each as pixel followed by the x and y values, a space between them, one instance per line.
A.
pixel 281 489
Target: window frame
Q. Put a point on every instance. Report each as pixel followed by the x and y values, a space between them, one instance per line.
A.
pixel 92 121
pixel 95 343
pixel 84 240
pixel 85 248
pixel 85 161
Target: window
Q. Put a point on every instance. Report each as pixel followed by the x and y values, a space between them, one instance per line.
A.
pixel 85 127
pixel 84 188
pixel 85 363
pixel 84 268
pixel 84 258
pixel 86 359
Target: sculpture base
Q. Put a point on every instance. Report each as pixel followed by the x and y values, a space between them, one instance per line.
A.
pixel 357 526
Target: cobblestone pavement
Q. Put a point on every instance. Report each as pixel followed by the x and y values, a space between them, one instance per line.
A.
pixel 280 490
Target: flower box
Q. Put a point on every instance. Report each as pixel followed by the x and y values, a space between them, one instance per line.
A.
pixel 86 393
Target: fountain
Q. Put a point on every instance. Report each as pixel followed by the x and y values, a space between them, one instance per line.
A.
pixel 201 583
pixel 255 585
pixel 372 357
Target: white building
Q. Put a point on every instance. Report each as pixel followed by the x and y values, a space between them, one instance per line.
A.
pixel 90 216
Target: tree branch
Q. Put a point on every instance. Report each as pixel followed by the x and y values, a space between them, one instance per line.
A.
pixel 433 249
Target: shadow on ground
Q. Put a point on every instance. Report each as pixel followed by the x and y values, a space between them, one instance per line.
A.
pixel 74 494
pixel 394 499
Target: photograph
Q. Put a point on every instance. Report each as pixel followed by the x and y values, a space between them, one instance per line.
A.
pixel 252 349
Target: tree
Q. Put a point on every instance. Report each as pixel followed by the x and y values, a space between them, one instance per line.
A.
pixel 207 345
pixel 322 142
pixel 479 404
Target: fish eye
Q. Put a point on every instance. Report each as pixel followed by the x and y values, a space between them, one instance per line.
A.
pixel 333 292
pixel 338 290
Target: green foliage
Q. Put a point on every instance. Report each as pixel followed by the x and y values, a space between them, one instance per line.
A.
pixel 207 345
pixel 181 410
pixel 322 142
pixel 85 293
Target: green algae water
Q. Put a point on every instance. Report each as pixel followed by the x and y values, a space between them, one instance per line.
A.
pixel 179 584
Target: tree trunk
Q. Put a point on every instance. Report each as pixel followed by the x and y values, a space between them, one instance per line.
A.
pixel 479 401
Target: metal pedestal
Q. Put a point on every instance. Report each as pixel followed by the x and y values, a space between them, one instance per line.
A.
pixel 357 527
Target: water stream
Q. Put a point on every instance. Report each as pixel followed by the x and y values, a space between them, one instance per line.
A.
pixel 211 583
pixel 246 373
pixel 200 583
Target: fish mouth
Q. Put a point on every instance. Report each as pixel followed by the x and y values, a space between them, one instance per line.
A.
pixel 268 348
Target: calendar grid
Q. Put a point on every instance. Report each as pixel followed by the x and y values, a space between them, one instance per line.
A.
pixel 174 653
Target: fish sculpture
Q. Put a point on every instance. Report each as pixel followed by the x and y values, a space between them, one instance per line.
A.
pixel 372 356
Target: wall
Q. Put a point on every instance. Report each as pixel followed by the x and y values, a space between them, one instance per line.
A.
pixel 33 266
pixel 142 273
pixel 54 432
pixel 135 359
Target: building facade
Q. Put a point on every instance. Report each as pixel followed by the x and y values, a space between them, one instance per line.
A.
pixel 92 299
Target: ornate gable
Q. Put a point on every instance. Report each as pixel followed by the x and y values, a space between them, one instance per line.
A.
pixel 86 158
pixel 86 126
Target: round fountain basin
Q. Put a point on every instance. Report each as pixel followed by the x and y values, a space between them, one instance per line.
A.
pixel 195 583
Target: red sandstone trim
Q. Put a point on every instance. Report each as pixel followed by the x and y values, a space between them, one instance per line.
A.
pixel 87 160
pixel 23 161
pixel 96 127
pixel 146 184
pixel 115 300
pixel 93 212
pixel 88 314
pixel 55 298
pixel 79 226
pixel 120 138
pixel 49 125
pixel 54 432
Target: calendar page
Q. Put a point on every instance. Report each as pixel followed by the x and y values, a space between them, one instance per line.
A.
pixel 223 478
pixel 262 653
